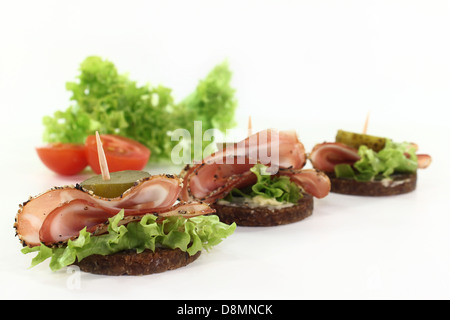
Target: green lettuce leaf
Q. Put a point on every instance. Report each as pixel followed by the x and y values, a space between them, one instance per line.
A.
pixel 269 187
pixel 394 158
pixel 344 171
pixel 189 235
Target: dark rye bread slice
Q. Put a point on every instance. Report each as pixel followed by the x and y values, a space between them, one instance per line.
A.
pixel 134 264
pixel 263 217
pixel 400 184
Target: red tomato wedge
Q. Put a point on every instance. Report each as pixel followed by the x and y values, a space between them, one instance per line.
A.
pixel 121 153
pixel 64 158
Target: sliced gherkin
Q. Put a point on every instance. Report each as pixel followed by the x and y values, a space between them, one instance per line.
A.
pixel 120 182
pixel 356 140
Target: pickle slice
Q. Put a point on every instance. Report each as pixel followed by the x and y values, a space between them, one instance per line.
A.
pixel 120 182
pixel 355 140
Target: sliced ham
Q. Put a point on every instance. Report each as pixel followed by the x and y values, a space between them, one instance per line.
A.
pixel 423 161
pixel 205 180
pixel 313 182
pixel 155 194
pixel 66 221
pixel 258 148
pixel 326 156
pixel 32 215
pixel 218 174
pixel 229 168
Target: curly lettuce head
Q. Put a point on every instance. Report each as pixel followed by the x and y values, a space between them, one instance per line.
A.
pixel 111 103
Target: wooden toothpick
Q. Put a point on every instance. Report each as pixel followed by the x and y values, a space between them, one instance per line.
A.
pixel 366 124
pixel 250 129
pixel 102 158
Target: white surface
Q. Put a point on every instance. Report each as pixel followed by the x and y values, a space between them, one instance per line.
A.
pixel 315 66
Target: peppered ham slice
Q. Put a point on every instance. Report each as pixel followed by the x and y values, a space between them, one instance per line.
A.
pixel 218 174
pixel 66 221
pixel 313 182
pixel 33 213
pixel 263 147
pixel 152 194
pixel 229 168
pixel 207 181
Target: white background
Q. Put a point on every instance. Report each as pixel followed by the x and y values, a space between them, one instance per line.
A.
pixel 313 66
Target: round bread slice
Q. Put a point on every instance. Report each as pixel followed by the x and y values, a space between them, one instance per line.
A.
pixel 131 263
pixel 244 215
pixel 400 184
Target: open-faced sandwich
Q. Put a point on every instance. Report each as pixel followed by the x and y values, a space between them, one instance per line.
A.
pixel 129 224
pixel 365 165
pixel 258 181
